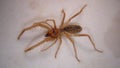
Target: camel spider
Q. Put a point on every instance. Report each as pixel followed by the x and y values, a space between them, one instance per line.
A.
pixel 54 33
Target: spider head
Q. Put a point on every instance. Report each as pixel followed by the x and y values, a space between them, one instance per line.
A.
pixel 52 33
pixel 49 33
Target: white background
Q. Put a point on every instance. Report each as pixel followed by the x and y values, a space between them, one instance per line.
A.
pixel 101 19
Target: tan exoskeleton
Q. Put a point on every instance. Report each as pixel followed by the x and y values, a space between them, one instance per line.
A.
pixel 54 34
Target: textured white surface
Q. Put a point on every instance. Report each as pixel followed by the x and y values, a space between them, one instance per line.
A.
pixel 101 17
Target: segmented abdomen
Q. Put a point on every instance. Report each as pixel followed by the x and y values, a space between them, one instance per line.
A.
pixel 72 28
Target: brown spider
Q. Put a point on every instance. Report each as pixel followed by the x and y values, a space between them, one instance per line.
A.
pixel 54 33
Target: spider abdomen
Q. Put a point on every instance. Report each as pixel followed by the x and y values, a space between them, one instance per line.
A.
pixel 72 28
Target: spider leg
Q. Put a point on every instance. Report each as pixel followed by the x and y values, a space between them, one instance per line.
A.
pixel 72 41
pixel 58 47
pixel 39 43
pixel 90 41
pixel 76 14
pixel 49 46
pixel 52 21
pixel 41 24
pixel 63 18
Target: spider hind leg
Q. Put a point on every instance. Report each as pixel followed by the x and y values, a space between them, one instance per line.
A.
pixel 90 41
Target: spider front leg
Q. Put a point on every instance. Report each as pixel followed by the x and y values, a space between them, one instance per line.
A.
pixel 41 24
pixel 75 14
pixel 90 41
pixel 72 41
pixel 52 21
pixel 39 43
pixel 63 18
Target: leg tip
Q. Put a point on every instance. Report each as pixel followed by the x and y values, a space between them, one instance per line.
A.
pixel 26 50
pixel 55 56
pixel 62 11
pixel 99 51
pixel 18 38
pixel 78 59
pixel 85 5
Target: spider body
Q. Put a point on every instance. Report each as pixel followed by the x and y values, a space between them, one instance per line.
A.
pixel 73 29
pixel 55 34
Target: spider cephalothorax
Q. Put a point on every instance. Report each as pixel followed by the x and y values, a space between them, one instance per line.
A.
pixel 54 34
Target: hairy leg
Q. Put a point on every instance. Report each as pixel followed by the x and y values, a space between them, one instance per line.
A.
pixel 76 14
pixel 63 18
pixel 39 43
pixel 52 21
pixel 72 41
pixel 49 46
pixel 90 41
pixel 41 24
pixel 58 47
